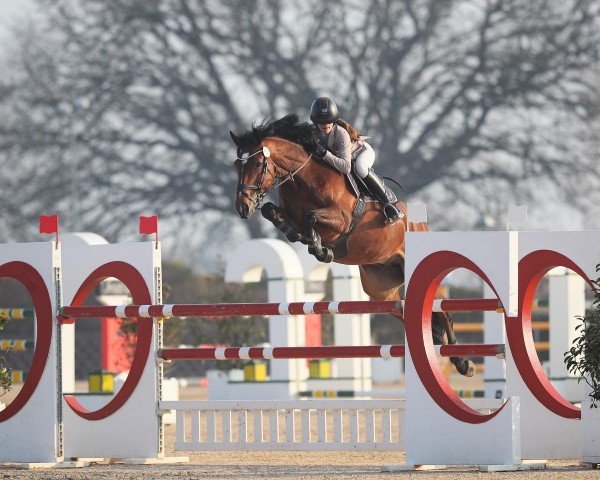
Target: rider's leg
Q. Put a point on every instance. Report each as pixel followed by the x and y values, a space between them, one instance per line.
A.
pixel 364 161
pixel 362 168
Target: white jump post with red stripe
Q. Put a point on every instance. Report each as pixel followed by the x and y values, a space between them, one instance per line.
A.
pixel 129 425
pixel 440 428
pixel 30 425
pixel 552 427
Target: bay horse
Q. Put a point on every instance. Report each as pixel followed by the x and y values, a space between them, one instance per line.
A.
pixel 316 208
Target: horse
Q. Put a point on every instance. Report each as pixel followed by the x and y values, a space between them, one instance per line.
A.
pixel 317 208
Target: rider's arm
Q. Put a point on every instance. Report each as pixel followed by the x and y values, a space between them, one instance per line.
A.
pixel 340 154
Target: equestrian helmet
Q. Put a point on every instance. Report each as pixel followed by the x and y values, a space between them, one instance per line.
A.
pixel 324 110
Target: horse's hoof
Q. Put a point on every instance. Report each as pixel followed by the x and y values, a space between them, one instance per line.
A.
pixel 268 211
pixel 463 366
pixel 467 368
pixel 327 256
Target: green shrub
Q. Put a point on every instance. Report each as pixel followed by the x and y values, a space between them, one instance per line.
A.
pixel 583 359
pixel 5 372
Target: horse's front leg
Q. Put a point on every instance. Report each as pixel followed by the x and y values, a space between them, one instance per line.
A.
pixel 323 254
pixel 285 225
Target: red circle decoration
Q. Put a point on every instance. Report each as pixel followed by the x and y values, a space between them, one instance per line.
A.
pixel 532 268
pixel 136 284
pixel 421 293
pixel 44 318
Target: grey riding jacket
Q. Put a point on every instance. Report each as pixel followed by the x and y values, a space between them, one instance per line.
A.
pixel 341 149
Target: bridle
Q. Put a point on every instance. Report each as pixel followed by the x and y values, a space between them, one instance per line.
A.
pixel 279 180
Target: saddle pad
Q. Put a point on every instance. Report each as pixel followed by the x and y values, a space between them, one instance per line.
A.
pixel 352 185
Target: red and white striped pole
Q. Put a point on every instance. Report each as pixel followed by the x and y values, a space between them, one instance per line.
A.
pixel 369 351
pixel 296 308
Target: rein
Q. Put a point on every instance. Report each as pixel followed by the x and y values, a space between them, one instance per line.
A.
pixel 261 195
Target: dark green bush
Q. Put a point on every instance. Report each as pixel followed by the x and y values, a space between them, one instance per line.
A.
pixel 5 372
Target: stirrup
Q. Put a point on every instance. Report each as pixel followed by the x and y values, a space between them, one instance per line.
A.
pixel 391 219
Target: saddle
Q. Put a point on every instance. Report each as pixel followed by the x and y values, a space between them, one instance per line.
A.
pixel 358 189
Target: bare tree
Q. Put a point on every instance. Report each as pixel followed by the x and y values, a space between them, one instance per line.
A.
pixel 450 91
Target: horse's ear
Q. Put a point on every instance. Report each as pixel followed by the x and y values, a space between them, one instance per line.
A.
pixel 235 138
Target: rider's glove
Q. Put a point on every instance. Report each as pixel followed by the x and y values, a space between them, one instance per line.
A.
pixel 319 151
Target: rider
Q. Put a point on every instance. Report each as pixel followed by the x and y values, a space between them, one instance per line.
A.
pixel 340 144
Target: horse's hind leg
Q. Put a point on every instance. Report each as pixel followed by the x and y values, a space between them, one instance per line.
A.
pixel 323 254
pixel 384 282
pixel 441 329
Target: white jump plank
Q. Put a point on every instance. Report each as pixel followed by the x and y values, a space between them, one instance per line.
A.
pixel 370 440
pixel 401 424
pixel 386 426
pixel 305 425
pixel 369 426
pixel 338 427
pixel 313 403
pixel 274 426
pixel 289 426
pixel 195 418
pixel 353 417
pixel 258 426
pixel 321 426
pixel 290 447
pixel 211 431
pixel 242 426
pixel 226 418
pixel 180 426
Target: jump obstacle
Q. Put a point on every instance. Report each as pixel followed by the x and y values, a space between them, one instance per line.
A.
pixel 545 426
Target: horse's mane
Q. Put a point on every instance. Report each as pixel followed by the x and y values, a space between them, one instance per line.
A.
pixel 289 128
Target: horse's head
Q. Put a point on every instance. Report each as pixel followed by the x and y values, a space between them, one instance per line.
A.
pixel 256 176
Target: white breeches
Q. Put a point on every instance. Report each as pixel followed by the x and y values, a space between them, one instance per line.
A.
pixel 364 161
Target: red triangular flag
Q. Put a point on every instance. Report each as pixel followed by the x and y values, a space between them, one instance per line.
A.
pixel 49 223
pixel 149 225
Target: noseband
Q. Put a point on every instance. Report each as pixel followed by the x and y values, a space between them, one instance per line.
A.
pixel 245 188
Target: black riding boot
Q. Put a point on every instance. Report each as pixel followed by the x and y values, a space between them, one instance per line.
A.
pixel 375 186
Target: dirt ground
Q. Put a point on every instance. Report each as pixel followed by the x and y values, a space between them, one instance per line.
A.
pixel 284 465
pixel 290 466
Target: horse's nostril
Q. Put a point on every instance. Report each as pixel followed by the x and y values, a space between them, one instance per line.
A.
pixel 245 210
